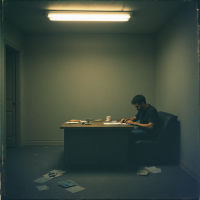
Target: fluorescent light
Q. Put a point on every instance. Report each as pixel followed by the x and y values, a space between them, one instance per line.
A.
pixel 87 16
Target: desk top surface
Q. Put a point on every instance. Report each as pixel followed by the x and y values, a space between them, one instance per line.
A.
pixel 94 125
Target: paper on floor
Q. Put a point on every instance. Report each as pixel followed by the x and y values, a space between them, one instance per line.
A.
pixel 58 171
pixel 52 176
pixel 75 189
pixel 42 187
pixel 42 180
pixel 143 172
pixel 153 169
pixel 67 183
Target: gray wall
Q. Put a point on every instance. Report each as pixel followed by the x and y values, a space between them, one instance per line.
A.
pixel 84 75
pixel 177 80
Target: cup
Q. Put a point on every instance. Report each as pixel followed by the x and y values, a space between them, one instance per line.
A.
pixel 108 118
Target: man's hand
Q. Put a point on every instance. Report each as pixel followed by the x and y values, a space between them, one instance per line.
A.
pixel 131 122
pixel 123 120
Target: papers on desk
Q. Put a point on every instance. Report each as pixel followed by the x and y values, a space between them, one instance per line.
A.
pixel 114 123
pixel 71 122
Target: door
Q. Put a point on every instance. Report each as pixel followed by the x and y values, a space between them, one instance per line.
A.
pixel 10 97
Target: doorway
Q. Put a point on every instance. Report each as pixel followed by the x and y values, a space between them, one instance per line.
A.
pixel 11 58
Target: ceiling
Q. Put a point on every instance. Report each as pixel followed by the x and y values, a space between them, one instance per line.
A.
pixel 147 16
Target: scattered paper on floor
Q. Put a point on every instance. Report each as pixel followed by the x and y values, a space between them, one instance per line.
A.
pixel 67 183
pixel 58 171
pixel 54 173
pixel 153 169
pixel 143 172
pixel 75 189
pixel 42 180
pixel 42 187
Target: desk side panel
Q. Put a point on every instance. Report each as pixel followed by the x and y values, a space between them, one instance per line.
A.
pixel 112 147
pixel 80 147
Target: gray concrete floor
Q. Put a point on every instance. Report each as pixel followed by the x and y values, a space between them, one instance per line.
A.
pixel 23 165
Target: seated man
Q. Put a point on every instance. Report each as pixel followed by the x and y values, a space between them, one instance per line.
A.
pixel 148 117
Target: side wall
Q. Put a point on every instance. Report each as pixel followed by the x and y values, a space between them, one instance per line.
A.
pixel 83 75
pixel 177 80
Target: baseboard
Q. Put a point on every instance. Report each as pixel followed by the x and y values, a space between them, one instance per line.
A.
pixel 189 171
pixel 44 142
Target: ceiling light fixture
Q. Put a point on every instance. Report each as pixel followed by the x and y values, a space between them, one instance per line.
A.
pixel 87 16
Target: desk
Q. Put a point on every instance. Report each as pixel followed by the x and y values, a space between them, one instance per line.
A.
pixel 95 144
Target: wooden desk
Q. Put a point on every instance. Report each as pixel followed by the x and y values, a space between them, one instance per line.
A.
pixel 95 144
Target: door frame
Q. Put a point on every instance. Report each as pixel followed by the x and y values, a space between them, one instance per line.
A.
pixel 18 141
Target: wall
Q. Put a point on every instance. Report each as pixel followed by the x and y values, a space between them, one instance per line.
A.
pixel 83 75
pixel 177 80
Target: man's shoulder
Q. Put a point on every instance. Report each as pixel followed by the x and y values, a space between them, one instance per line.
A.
pixel 152 108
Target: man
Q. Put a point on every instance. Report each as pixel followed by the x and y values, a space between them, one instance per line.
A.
pixel 148 117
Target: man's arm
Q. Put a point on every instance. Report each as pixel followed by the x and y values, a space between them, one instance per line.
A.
pixel 148 126
pixel 133 119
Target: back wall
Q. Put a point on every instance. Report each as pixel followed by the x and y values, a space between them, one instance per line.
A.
pixel 83 75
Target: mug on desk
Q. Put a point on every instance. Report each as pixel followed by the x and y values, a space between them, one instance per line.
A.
pixel 108 118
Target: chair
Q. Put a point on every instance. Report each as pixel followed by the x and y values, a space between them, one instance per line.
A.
pixel 164 148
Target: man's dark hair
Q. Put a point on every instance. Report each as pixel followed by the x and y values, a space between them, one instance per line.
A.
pixel 138 99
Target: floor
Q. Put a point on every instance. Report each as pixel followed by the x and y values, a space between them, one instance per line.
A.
pixel 23 165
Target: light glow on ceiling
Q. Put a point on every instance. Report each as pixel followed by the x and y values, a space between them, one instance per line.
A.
pixel 88 16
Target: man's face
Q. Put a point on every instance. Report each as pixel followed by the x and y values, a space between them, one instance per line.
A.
pixel 139 107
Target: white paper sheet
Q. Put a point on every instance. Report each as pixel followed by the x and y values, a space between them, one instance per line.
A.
pixel 75 189
pixel 153 169
pixel 58 171
pixel 42 187
pixel 72 122
pixel 42 180
pixel 56 175
pixel 114 123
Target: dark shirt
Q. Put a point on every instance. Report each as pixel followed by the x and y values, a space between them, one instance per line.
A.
pixel 147 116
